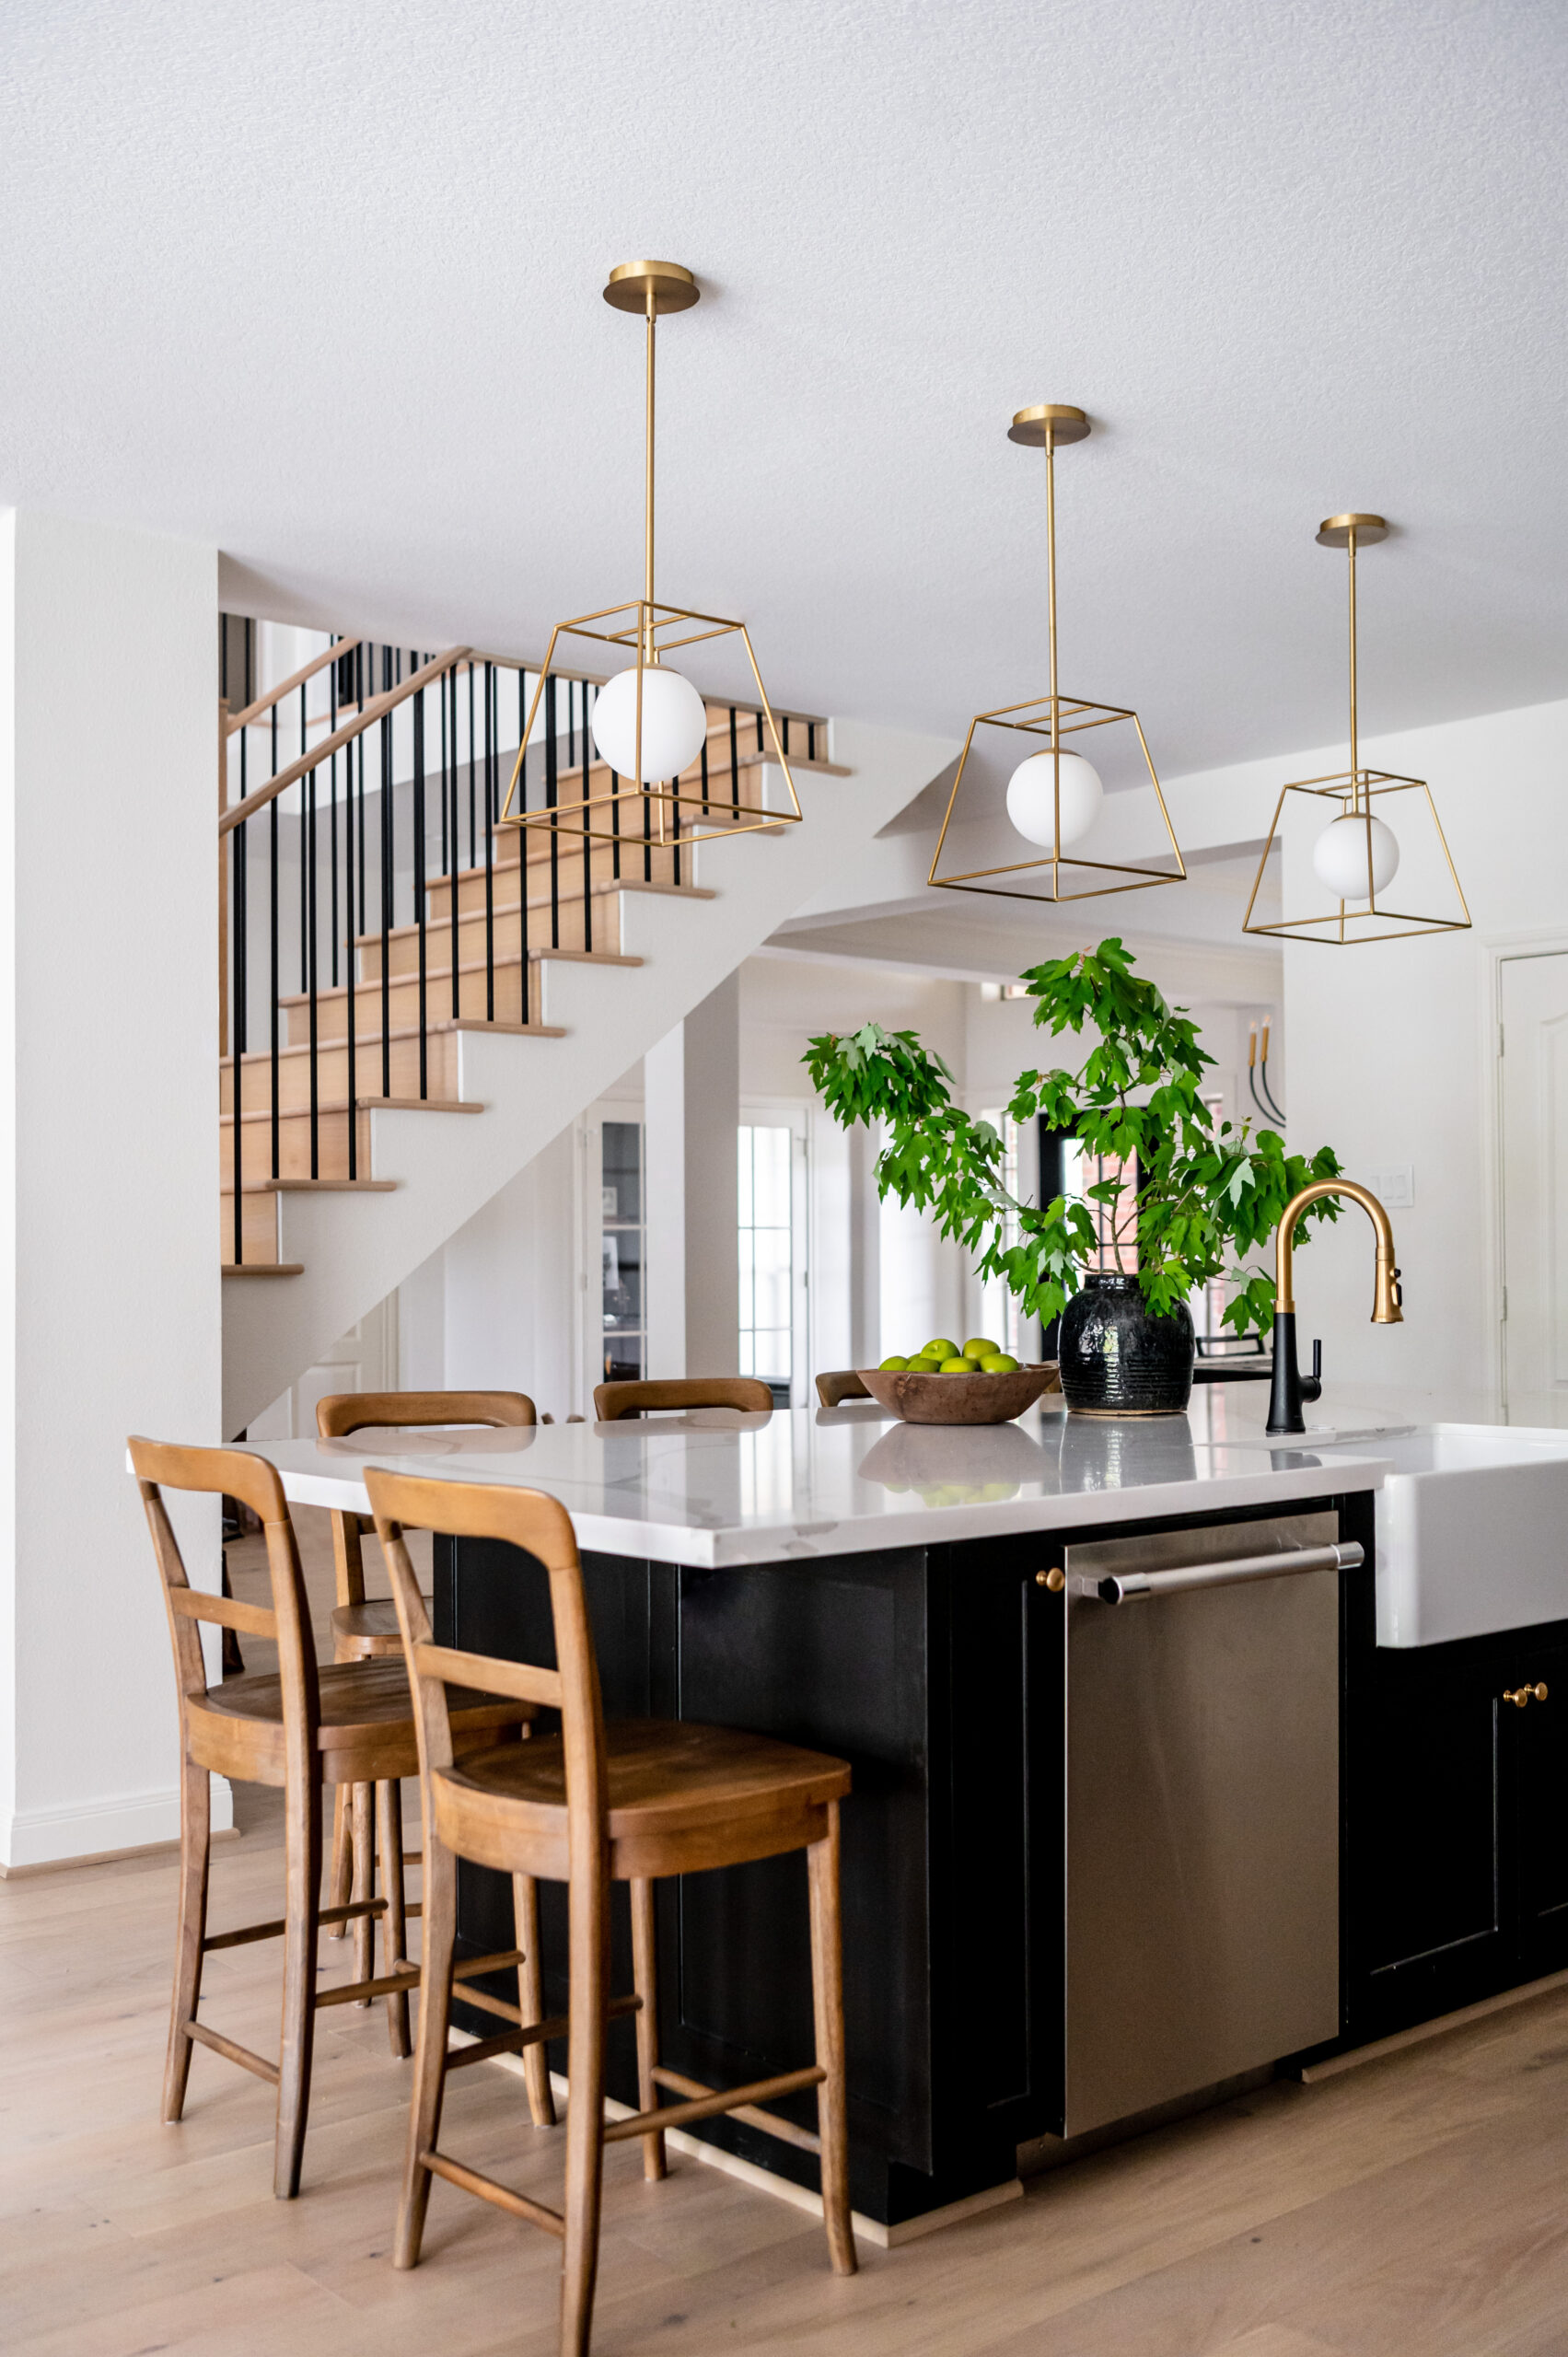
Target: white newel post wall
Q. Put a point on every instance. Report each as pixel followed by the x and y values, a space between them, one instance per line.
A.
pixel 111 1314
pixel 691 1111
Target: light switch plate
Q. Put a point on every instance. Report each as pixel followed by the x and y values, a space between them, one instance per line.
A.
pixel 1393 1183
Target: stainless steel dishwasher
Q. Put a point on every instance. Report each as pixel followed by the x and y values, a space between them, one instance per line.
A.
pixel 1202 1802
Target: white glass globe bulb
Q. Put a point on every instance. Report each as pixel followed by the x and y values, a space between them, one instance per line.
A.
pixel 1340 856
pixel 675 722
pixel 1031 798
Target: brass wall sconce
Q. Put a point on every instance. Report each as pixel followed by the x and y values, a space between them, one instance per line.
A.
pixel 649 724
pixel 1054 793
pixel 1358 853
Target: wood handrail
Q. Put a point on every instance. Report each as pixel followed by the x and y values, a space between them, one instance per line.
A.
pixel 368 714
pixel 295 680
pixel 365 718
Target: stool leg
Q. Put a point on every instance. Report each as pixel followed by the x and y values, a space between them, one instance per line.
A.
pixel 390 1811
pixel 302 1822
pixel 645 1981
pixel 364 1887
pixel 440 1921
pixel 530 1998
pixel 196 1826
pixel 589 1904
pixel 827 2000
pixel 341 1881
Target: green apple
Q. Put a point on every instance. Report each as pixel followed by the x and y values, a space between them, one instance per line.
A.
pixel 998 1363
pixel 940 1349
pixel 959 1364
pixel 892 1366
pixel 983 1349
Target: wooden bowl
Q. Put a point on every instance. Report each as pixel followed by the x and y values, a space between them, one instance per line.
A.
pixel 957 1398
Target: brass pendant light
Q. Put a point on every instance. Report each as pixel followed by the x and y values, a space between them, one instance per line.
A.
pixel 1053 793
pixel 1358 853
pixel 649 724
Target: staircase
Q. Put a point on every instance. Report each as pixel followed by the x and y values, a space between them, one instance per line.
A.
pixel 440 994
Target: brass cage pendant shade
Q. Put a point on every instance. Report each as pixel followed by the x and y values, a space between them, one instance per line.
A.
pixel 719 790
pixel 1384 814
pixel 1062 873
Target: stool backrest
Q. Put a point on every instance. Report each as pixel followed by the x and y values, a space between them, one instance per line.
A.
pixel 541 1527
pixel 841 1383
pixel 612 1400
pixel 342 1412
pixel 236 1473
pixel 354 1411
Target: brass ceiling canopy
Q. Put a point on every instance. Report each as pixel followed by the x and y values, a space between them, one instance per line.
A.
pixel 650 726
pixel 1054 795
pixel 1357 855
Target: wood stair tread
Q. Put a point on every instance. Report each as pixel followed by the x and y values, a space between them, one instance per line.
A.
pixel 402 1031
pixel 371 987
pixel 338 1106
pixel 262 1267
pixel 314 1187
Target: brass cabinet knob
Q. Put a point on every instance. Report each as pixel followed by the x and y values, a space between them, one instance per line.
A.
pixel 1054 1580
pixel 1520 1695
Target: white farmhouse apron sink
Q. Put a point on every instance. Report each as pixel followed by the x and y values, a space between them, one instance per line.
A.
pixel 1472 1529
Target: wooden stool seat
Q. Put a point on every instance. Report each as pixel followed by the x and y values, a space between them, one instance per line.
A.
pixel 368 1631
pixel 678 1798
pixel 364 1731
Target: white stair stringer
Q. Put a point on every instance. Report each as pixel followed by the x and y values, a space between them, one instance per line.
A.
pixel 357 1249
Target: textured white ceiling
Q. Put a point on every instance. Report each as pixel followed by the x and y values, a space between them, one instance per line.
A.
pixel 320 283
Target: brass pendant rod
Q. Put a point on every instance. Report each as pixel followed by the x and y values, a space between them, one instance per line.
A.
pixel 648 490
pixel 1051 572
pixel 1355 752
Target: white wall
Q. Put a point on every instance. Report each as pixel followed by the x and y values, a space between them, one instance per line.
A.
pixel 1392 1051
pixel 110 1311
pixel 500 1307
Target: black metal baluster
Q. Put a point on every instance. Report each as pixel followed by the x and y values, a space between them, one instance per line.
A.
pixel 552 804
pixel 308 855
pixel 384 724
pixel 587 833
pixel 489 842
pixel 419 876
pixel 734 766
pixel 785 733
pixel 331 731
pixel 453 890
pixel 647 836
pixel 273 919
pixel 704 761
pixel 304 889
pixel 811 740
pixel 523 842
pixel 473 842
pixel 238 1027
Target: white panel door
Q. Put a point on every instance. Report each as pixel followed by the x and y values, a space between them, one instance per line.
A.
pixel 1534 1048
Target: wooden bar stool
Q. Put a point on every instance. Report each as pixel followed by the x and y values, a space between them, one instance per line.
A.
pixel 365 1631
pixel 630 1802
pixel 350 1722
pixel 612 1400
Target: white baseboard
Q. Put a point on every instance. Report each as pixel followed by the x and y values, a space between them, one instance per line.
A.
pixel 783 2188
pixel 99 1829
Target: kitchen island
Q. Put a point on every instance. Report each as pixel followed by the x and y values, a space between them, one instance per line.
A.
pixel 1091 1860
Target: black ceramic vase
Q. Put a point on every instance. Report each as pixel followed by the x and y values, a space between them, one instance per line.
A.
pixel 1118 1358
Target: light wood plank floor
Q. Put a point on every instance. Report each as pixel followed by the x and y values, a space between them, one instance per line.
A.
pixel 1416 2208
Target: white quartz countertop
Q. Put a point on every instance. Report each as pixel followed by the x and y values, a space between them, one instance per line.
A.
pixel 713 1487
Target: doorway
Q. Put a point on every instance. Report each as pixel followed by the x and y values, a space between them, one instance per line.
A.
pixel 1533 1105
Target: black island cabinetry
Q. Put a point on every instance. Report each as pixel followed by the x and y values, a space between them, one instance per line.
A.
pixel 938 1672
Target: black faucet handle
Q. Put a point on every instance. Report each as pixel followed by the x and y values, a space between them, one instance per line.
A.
pixel 1312 1384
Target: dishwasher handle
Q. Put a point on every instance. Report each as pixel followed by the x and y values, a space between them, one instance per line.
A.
pixel 1122 1588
